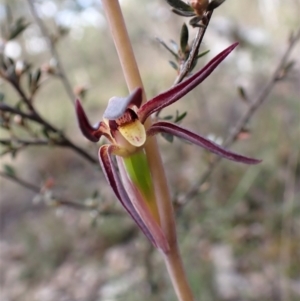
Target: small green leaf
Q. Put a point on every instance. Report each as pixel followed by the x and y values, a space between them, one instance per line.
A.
pixel 180 5
pixel 45 133
pixel 168 137
pixel 196 59
pixel 9 170
pixel 180 117
pixel 62 30
pixel 214 4
pixel 18 27
pixel 167 47
pixel 184 38
pixel 183 14
pixel 19 105
pixel 30 80
pixel 243 94
pixel 168 117
pixel 2 96
pixel 174 65
pixel 202 54
pixel 37 76
pixel 195 22
pixel 95 194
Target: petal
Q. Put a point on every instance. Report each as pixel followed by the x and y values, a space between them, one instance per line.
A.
pixel 117 105
pixel 175 93
pixel 173 129
pixel 134 132
pixel 157 237
pixel 91 133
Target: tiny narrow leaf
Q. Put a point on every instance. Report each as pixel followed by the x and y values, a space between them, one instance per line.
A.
pixel 183 13
pixel 180 117
pixel 168 137
pixel 214 4
pixel 202 54
pixel 174 65
pixel 180 5
pixel 167 47
pixel 184 38
pixel 243 94
pixel 9 170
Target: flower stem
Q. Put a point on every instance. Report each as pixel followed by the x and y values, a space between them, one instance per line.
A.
pixel 133 79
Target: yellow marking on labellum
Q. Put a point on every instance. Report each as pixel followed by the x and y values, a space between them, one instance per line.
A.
pixel 134 132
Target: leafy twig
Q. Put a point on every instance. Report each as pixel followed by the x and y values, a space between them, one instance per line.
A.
pixel 195 50
pixel 278 75
pixel 54 52
pixel 36 117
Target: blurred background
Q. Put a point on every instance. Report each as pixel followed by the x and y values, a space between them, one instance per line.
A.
pixel 239 235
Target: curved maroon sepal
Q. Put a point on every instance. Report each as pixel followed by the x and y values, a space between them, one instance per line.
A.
pixel 91 133
pixel 115 182
pixel 173 129
pixel 175 93
pixel 117 105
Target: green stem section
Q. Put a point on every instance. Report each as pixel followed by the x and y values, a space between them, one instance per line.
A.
pixel 133 79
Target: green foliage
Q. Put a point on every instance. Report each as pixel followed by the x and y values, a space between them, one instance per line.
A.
pixel 9 170
pixel 180 5
pixel 17 28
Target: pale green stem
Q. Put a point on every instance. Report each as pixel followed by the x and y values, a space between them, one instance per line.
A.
pixel 130 69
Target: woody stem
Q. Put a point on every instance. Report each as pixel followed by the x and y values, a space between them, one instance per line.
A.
pixel 133 79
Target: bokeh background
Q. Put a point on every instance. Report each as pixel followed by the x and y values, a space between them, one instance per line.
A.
pixel 239 237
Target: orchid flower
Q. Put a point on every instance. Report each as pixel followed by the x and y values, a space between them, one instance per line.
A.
pixel 123 126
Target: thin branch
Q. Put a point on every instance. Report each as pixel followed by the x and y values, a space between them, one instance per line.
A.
pixel 58 201
pixel 6 108
pixel 24 142
pixel 253 107
pixel 194 52
pixel 54 52
pixel 21 182
pixel 36 117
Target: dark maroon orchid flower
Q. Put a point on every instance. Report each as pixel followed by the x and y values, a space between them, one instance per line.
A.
pixel 123 126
